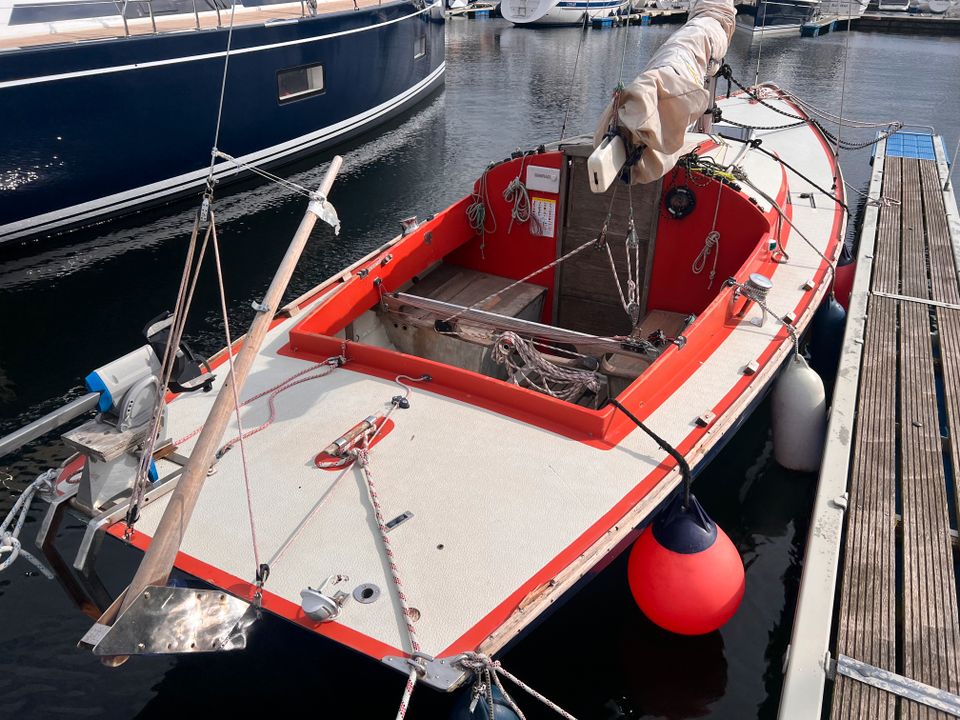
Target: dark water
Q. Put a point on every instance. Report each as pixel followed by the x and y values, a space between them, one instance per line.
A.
pixel 70 307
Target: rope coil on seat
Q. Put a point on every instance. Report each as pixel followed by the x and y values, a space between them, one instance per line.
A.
pixel 554 380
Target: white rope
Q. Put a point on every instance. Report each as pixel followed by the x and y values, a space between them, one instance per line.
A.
pixel 13 523
pixel 236 405
pixel 483 666
pixel 265 174
pixel 709 243
pixel 556 381
pixel 516 193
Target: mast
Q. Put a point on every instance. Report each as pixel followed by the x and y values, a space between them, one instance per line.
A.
pixel 160 556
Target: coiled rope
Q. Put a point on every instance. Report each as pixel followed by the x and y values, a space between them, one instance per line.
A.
pixel 13 523
pixel 559 382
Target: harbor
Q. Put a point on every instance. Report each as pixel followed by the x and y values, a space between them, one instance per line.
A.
pixel 429 157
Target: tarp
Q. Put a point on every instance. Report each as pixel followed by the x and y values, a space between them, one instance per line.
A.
pixel 656 108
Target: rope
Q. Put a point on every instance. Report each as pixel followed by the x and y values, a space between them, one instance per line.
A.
pixel 265 174
pixel 223 92
pixel 710 242
pixel 181 310
pixel 477 212
pixel 759 296
pixel 13 523
pixel 573 77
pixel 488 672
pixel 516 193
pixel 559 382
pixel 236 404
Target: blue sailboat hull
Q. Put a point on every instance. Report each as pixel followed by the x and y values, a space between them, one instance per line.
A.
pixel 102 128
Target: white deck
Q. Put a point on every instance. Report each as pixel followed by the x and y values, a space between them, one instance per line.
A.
pixel 502 498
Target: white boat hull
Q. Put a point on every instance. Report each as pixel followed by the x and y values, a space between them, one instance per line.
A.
pixel 559 12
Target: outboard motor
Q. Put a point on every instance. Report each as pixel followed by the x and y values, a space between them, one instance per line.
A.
pixel 186 375
pixel 129 390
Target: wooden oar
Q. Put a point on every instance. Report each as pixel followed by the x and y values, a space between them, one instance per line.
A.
pixel 160 556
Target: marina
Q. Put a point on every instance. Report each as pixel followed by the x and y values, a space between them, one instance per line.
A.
pixel 553 590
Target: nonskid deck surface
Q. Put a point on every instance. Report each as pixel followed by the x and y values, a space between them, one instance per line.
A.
pixel 498 507
pixel 35 34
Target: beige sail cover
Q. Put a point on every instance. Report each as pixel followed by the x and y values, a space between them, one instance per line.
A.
pixel 662 101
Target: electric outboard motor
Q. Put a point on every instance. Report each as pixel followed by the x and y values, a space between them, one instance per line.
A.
pixel 187 375
pixel 111 443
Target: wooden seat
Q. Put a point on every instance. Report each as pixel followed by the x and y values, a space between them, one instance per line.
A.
pixel 412 330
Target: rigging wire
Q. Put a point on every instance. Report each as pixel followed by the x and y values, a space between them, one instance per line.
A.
pixel 223 92
pixel 573 76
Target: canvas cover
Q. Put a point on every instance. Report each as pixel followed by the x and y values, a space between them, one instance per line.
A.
pixel 656 108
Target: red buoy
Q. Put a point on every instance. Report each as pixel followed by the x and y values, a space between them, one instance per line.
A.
pixel 843 283
pixel 684 572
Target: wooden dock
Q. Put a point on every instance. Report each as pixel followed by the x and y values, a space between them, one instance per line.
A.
pixel 889 478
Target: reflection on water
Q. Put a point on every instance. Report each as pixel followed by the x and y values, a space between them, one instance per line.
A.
pixel 68 307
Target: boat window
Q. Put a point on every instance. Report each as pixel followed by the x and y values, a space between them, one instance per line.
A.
pixel 300 82
pixel 420 47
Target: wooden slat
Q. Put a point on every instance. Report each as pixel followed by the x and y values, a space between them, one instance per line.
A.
pixel 929 594
pixel 886 266
pixel 866 629
pixel 909 394
pixel 943 272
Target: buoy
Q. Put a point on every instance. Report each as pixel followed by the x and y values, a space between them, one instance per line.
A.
pixel 684 572
pixel 843 284
pixel 826 337
pixel 799 408
pixel 501 708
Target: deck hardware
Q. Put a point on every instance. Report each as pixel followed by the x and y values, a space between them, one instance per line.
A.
pixel 842 501
pixel 439 673
pixel 751 367
pixel 386 260
pixel 320 606
pixel 705 419
pixel 400 401
pixel 408 225
pixel 363 272
pixel 259 307
pixel 898 685
pixel 808 285
pixel 166 619
pixel 790 318
pixel 366 593
pixel 339 446
pixel 399 520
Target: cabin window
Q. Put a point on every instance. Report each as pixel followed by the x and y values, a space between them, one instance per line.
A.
pixel 420 47
pixel 300 82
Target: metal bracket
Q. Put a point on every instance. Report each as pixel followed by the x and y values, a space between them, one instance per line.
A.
pixel 898 685
pixel 439 673
pixel 260 307
pixel 167 620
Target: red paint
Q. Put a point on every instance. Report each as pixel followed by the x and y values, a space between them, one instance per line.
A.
pixel 686 593
pixel 843 283
pixel 383 425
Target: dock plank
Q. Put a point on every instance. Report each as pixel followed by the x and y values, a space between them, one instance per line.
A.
pixel 868 589
pixel 908 402
pixel 886 272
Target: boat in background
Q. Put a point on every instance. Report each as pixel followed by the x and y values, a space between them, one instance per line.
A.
pixel 781 17
pixel 535 13
pixel 842 9
pixel 119 111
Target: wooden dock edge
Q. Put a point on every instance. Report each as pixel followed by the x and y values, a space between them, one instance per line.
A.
pixel 808 655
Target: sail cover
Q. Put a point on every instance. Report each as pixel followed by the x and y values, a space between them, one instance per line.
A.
pixel 656 108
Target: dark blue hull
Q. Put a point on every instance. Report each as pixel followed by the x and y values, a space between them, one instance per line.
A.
pixel 103 128
pixel 778 17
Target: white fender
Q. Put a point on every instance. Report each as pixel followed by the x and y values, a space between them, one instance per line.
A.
pixel 799 408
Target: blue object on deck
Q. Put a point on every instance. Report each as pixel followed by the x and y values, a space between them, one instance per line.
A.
pixel 644 19
pixel 603 22
pixel 481 14
pixel 911 145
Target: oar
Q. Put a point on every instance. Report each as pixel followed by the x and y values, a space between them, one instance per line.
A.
pixel 160 556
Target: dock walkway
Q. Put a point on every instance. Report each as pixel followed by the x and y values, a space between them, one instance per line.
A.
pixel 890 467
